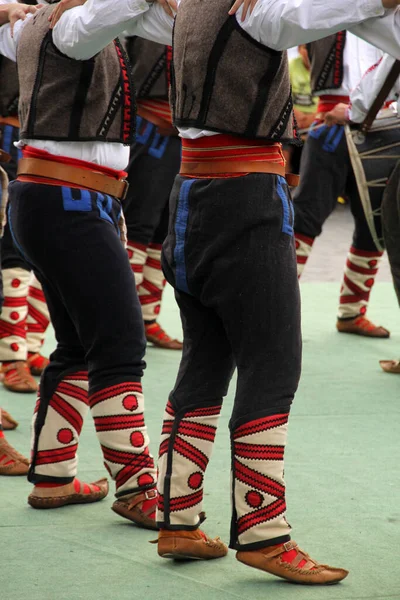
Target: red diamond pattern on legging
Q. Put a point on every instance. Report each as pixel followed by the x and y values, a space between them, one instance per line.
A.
pixel 259 487
pixel 180 480
pixel 14 313
pixel 151 289
pixel 118 413
pixel 358 279
pixel 57 444
pixel 38 317
pixel 137 258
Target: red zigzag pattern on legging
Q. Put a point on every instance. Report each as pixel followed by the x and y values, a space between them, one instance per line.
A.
pixel 199 433
pixel 70 415
pixel 120 425
pixel 259 496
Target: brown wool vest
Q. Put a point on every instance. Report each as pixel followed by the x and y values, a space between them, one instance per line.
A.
pixel 71 100
pixel 9 90
pixel 150 65
pixel 326 57
pixel 225 81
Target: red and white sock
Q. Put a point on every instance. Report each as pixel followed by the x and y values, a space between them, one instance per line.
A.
pixel 153 284
pixel 183 459
pixel 358 280
pixel 118 413
pixel 258 483
pixel 57 441
pixel 13 345
pixel 137 257
pixel 38 317
pixel 304 246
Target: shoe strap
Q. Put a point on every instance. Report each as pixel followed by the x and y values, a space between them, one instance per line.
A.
pixel 141 497
pixel 286 547
pixel 17 371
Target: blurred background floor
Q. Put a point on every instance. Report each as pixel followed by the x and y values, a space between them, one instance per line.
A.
pixel 341 472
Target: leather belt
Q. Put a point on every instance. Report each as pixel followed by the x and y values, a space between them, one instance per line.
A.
pixel 92 180
pixel 13 121
pixel 214 167
pixel 164 127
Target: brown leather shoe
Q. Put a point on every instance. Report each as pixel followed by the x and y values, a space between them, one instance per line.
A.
pixel 189 545
pixel 37 363
pixel 7 421
pixel 18 378
pixel 361 326
pixel 132 508
pixel 11 461
pixel 159 338
pixel 310 573
pixel 390 366
pixel 67 494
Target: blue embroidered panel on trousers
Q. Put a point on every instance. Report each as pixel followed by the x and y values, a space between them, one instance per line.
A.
pixel 143 133
pixel 104 204
pixel 158 146
pixel 82 201
pixel 288 213
pixel 182 216
pixel 333 138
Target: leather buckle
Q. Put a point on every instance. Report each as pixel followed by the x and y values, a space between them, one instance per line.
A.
pixel 150 494
pixel 289 546
pixel 125 189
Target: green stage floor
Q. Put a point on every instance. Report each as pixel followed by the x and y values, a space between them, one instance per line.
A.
pixel 341 470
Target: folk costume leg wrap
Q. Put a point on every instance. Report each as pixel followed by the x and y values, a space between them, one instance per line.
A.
pixel 14 314
pixel 304 246
pixel 153 284
pixel 118 413
pixel 56 427
pixel 137 258
pixel 258 493
pixel 358 280
pixel 186 444
pixel 38 317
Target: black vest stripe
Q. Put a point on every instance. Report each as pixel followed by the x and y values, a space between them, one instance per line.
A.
pixel 264 88
pixel 82 90
pixel 217 50
pixel 32 113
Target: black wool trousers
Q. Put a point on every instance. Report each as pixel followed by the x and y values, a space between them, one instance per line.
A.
pixel 230 256
pixel 153 165
pixel 10 257
pixel 325 174
pixel 70 237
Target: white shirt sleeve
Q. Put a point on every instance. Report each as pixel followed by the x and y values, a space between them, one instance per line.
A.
pixel 154 25
pixel 383 33
pixel 281 25
pixel 366 91
pixel 85 30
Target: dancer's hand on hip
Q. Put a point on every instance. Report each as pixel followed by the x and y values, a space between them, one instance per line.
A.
pixel 16 12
